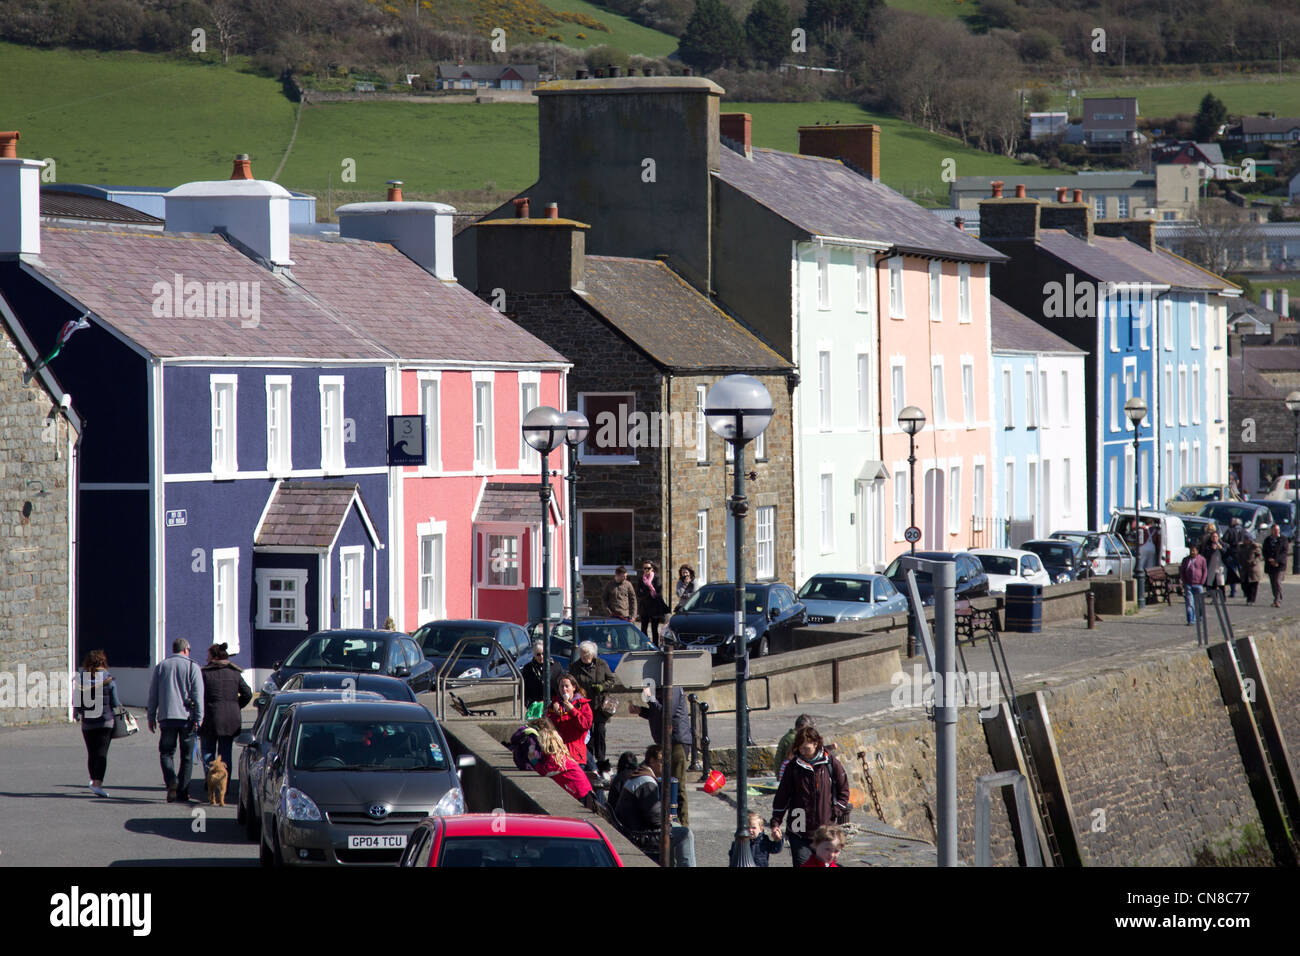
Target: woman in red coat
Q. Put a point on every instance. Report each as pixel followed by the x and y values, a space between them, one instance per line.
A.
pixel 571 714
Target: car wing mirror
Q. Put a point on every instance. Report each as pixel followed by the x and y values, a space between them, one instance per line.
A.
pixel 401 671
pixel 465 761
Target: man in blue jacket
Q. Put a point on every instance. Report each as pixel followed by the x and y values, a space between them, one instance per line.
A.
pixel 176 703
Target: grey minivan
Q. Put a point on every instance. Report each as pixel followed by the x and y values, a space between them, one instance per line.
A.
pixel 349 782
pixel 1255 517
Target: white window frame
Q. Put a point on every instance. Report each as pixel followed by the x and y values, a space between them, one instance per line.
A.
pixel 1170 397
pixel 826 501
pixel 1112 314
pixel 1044 401
pixel 897 304
pixel 701 424
pixel 1066 507
pixel 938 398
pixel 900 491
pixel 225 609
pixel 1114 402
pixel 344 597
pixel 530 460
pixel 1196 460
pixel 936 290
pixel 977 491
pixel 898 393
pixel 1130 389
pixel 488 463
pixel 1171 477
pixel 587 566
pixel 1099 206
pixel 1031 406
pixel 279 434
pixel 1194 396
pixel 333 454
pixel 862 267
pixel 1182 395
pixel 864 391
pixel 1167 309
pixel 954 499
pixel 1008 398
pixel 1196 325
pixel 825 409
pixel 1009 487
pixel 702 546
pixel 1128 474
pixel 968 390
pixel 963 293
pixel 485 534
pixel 1218 395
pixel 1143 344
pixel 430 530
pixel 1116 492
pixel 1123 206
pixel 765 545
pixel 1183 470
pixel 823 279
pixel 224 392
pixel 1065 397
pixel 426 383
pixel 264 577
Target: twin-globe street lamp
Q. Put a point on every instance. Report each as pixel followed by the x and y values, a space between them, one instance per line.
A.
pixel 911 420
pixel 576 428
pixel 544 430
pixel 1136 410
pixel 1293 406
pixel 738 409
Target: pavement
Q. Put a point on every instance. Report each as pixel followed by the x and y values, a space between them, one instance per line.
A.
pixel 51 819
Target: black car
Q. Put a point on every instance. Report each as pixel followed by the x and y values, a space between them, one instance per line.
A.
pixel 390 653
pixel 478 658
pixel 1063 560
pixel 707 618
pixel 388 688
pixel 259 747
pixel 971 579
pixel 1284 515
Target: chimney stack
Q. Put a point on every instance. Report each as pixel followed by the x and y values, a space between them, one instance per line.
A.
pixel 20 199
pixel 857 145
pixel 552 210
pixel 394 190
pixel 420 230
pixel 531 255
pixel 997 189
pixel 243 167
pixel 738 127
pixel 252 211
pixel 1141 231
pixel 1266 299
pixel 521 207
pixel 1009 217
pixel 1020 190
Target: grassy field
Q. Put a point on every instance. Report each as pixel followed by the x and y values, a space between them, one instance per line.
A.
pixel 623 33
pixel 1168 99
pixel 936 8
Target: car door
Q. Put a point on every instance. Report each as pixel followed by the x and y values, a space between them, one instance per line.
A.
pixel 978 582
pixel 1031 569
pixel 893 601
pixel 421 667
pixel 796 612
pixel 273 771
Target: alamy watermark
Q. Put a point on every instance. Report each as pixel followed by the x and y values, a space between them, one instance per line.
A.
pixel 981 689
pixel 192 299
pixel 22 689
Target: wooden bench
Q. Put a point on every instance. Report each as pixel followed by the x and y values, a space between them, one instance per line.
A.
pixel 972 623
pixel 1158 585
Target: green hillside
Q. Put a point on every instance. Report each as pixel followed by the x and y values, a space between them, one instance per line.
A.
pixel 1265 92
pixel 623 33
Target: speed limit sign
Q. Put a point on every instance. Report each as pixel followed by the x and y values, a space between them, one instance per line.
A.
pixel 912 535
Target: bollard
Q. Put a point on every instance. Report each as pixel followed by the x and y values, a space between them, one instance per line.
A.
pixel 695 750
pixel 1092 609
pixel 704 737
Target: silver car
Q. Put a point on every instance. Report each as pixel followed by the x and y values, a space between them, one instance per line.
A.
pixel 1105 550
pixel 850 597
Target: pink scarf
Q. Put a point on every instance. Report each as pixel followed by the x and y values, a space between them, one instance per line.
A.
pixel 649 587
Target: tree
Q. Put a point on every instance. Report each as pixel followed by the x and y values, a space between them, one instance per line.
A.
pixel 1211 115
pixel 767 30
pixel 1220 236
pixel 712 39
pixel 855 15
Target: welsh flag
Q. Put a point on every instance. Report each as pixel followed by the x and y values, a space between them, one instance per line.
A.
pixel 65 333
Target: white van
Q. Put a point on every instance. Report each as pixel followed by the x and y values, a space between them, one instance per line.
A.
pixel 1173 536
pixel 1282 489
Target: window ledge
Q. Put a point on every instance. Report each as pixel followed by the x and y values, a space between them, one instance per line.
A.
pixel 611 460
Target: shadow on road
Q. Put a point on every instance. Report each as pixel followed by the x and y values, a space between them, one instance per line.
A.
pixel 216 829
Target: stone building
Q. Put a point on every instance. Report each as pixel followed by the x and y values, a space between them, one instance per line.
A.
pixel 38 469
pixel 646 346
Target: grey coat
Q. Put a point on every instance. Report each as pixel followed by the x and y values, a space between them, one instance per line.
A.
pixel 97 700
pixel 177 683
pixel 1250 560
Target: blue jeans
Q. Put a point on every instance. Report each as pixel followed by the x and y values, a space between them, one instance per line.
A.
pixel 170 734
pixel 681 843
pixel 1193 598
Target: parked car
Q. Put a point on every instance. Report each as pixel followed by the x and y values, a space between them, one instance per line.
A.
pixel 706 619
pixel 386 688
pixel 438 639
pixel 1107 552
pixel 1283 486
pixel 1173 537
pixel 1011 566
pixel 510 840
pixel 390 653
pixel 1194 528
pixel 1284 515
pixel 349 781
pixel 1062 560
pixel 972 581
pixel 612 636
pixel 1253 515
pixel 258 747
pixel 850 597
pixel 1189 498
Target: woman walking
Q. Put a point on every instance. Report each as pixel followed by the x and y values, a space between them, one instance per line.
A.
pixel 1215 569
pixel 225 694
pixel 1250 564
pixel 596 680
pixel 814 783
pixel 685 584
pixel 97 704
pixel 650 600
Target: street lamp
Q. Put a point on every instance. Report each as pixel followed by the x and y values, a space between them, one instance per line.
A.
pixel 911 420
pixel 1293 406
pixel 576 428
pixel 738 409
pixel 1136 410
pixel 544 430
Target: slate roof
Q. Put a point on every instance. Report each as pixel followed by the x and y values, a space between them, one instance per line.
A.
pixel 307 514
pixel 509 502
pixel 669 320
pixel 1254 125
pixel 69 205
pixel 1162 266
pixel 1084 181
pixel 1095 260
pixel 1127 105
pixel 1013 331
pixel 485 71
pixel 826 198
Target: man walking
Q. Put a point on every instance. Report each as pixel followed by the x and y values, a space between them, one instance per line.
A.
pixel 620 596
pixel 1192 572
pixel 176 703
pixel 1276 553
pixel 1231 543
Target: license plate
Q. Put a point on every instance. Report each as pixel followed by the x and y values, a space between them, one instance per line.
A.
pixel 377 841
pixel 713 649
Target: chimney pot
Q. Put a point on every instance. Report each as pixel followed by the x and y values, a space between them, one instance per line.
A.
pixel 552 210
pixel 960 223
pixel 243 167
pixel 394 190
pixel 1061 192
pixel 614 71
pixel 521 207
pixel 9 144
pixel 582 73
pixel 997 185
pixel 738 127
pixel 1078 195
pixel 1020 190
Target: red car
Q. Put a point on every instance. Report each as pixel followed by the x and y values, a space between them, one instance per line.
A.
pixel 508 840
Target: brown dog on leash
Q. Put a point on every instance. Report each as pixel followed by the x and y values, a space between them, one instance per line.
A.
pixel 218 777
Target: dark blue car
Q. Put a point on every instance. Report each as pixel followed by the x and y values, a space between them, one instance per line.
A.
pixel 707 618
pixel 612 636
pixel 390 653
pixel 479 658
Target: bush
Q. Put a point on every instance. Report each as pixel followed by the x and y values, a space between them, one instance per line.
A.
pixel 603 57
pixel 1037 46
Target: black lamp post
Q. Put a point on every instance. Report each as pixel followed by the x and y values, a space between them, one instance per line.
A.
pixel 911 420
pixel 1293 405
pixel 544 430
pixel 738 409
pixel 1136 410
pixel 576 428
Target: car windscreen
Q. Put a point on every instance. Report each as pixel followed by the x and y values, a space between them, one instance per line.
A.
pixel 386 687
pixel 721 600
pixel 437 640
pixel 999 564
pixel 1052 553
pixel 1224 513
pixel 1281 511
pixel 340 652
pixel 836 589
pixel 368 745
pixel 1199 493
pixel 511 851
pixel 615 638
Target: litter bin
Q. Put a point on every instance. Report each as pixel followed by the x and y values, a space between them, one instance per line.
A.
pixel 1024 608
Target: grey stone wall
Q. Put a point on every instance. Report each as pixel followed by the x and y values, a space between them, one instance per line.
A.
pixel 34 554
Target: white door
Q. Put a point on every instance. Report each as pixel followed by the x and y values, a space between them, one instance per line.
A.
pixel 866 520
pixel 350 585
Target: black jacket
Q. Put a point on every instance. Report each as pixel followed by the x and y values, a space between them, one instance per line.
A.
pixel 595 678
pixel 534 687
pixel 681 718
pixel 225 694
pixel 638 809
pixel 1275 549
pixel 651 608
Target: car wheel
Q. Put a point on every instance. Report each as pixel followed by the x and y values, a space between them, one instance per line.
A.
pixel 763 646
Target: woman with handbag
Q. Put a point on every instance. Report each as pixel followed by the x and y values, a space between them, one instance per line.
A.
pixel 596 680
pixel 1216 569
pixel 685 584
pixel 225 694
pixel 97 706
pixel 650 600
